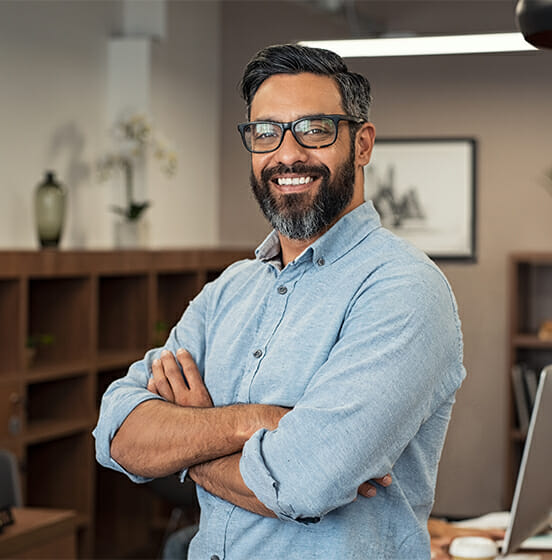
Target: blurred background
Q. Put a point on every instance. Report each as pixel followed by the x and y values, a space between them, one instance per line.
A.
pixel 63 80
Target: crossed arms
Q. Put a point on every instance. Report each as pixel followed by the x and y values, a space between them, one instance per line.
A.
pixel 151 442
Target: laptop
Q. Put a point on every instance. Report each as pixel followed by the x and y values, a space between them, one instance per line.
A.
pixel 532 504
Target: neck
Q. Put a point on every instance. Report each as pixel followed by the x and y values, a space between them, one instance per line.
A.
pixel 292 248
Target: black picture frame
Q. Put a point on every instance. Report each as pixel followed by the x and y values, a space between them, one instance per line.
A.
pixel 425 192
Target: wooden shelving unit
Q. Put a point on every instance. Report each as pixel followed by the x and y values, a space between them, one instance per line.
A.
pixel 530 288
pixel 90 314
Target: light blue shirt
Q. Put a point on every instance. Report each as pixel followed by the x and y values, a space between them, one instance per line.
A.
pixel 360 336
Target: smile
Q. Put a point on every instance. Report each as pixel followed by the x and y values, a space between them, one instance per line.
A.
pixel 294 180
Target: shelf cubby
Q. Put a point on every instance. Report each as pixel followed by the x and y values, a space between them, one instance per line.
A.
pixel 105 378
pixel 213 274
pixel 534 304
pixel 9 325
pixel 59 320
pixel 72 398
pixel 11 409
pixel 174 292
pixel 58 473
pixel 123 313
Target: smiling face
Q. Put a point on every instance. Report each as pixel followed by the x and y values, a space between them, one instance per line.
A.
pixel 303 191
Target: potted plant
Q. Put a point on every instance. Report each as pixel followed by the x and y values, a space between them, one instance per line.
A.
pixel 36 342
pixel 135 138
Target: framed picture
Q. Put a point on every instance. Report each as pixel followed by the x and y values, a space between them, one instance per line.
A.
pixel 424 191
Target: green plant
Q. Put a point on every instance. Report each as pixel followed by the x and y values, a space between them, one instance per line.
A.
pixel 161 331
pixel 40 339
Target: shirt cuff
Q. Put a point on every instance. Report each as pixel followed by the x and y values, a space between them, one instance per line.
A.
pixel 105 432
pixel 259 480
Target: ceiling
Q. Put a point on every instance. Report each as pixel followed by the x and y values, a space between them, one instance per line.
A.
pixel 415 17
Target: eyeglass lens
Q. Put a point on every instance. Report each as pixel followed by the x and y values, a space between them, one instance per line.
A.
pixel 309 132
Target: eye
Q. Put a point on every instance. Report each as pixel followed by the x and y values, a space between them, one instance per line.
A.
pixel 315 127
pixel 265 131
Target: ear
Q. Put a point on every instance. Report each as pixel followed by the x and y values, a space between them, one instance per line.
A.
pixel 364 144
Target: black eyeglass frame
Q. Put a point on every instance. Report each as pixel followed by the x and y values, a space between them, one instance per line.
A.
pixel 291 126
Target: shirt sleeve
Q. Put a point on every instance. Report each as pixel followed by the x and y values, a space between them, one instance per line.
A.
pixel 125 394
pixel 397 359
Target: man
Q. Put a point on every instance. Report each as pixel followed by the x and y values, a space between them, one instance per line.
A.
pixel 331 359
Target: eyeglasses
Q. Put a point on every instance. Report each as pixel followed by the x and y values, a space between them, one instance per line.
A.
pixel 318 131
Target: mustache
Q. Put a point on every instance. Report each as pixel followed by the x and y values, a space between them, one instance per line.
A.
pixel 297 168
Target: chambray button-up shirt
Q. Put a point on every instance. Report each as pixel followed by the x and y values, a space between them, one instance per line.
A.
pixel 360 336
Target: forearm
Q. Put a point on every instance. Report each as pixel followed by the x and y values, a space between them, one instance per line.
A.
pixel 222 478
pixel 159 438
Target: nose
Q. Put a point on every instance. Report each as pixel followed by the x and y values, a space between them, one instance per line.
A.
pixel 290 151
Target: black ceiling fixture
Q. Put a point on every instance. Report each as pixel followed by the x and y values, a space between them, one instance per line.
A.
pixel 534 19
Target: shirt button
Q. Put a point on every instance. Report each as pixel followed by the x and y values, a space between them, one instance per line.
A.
pixel 258 353
pixel 215 557
pixel 320 262
pixel 282 290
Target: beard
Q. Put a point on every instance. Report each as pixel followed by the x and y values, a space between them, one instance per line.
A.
pixel 301 215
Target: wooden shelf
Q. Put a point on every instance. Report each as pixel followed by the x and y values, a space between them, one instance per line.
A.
pixel 92 314
pixel 82 521
pixel 112 359
pixel 530 294
pixel 56 371
pixel 531 341
pixel 46 430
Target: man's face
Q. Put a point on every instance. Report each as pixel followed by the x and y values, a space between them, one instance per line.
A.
pixel 322 180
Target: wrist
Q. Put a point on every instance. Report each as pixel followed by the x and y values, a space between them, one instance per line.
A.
pixel 251 418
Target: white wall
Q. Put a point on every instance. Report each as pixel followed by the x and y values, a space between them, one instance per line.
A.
pixel 187 100
pixel 53 72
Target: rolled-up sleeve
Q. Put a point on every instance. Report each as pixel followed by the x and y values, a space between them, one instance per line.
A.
pixel 397 359
pixel 125 394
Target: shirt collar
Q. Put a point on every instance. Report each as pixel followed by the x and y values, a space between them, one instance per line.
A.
pixel 350 230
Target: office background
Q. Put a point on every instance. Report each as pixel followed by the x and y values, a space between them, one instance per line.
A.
pixel 53 75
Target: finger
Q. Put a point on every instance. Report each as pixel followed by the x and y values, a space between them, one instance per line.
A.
pixel 174 377
pixel 384 480
pixel 151 386
pixel 201 396
pixel 367 490
pixel 193 377
pixel 161 382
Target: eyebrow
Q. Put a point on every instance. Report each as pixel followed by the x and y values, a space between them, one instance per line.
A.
pixel 308 115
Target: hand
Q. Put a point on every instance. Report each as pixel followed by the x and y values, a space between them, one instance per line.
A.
pixel 368 490
pixel 168 382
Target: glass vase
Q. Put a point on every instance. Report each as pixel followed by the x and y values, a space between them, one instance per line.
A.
pixel 49 211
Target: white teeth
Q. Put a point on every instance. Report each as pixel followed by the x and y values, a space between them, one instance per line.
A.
pixel 294 181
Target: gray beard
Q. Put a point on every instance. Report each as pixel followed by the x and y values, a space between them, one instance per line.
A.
pixel 294 215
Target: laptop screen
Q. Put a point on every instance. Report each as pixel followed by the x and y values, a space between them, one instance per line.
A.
pixel 532 503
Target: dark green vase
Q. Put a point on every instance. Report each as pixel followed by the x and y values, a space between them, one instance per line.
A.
pixel 49 211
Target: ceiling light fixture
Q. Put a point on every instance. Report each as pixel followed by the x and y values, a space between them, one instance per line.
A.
pixel 534 19
pixel 421 46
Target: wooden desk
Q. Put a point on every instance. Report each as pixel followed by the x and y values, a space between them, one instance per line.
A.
pixel 40 533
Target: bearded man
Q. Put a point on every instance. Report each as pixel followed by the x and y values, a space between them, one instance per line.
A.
pixel 330 360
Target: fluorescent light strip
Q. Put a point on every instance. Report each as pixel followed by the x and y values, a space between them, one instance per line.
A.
pixel 419 46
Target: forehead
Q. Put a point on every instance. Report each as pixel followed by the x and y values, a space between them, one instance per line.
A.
pixel 286 97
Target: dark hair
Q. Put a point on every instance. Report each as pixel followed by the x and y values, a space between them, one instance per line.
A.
pixel 295 59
